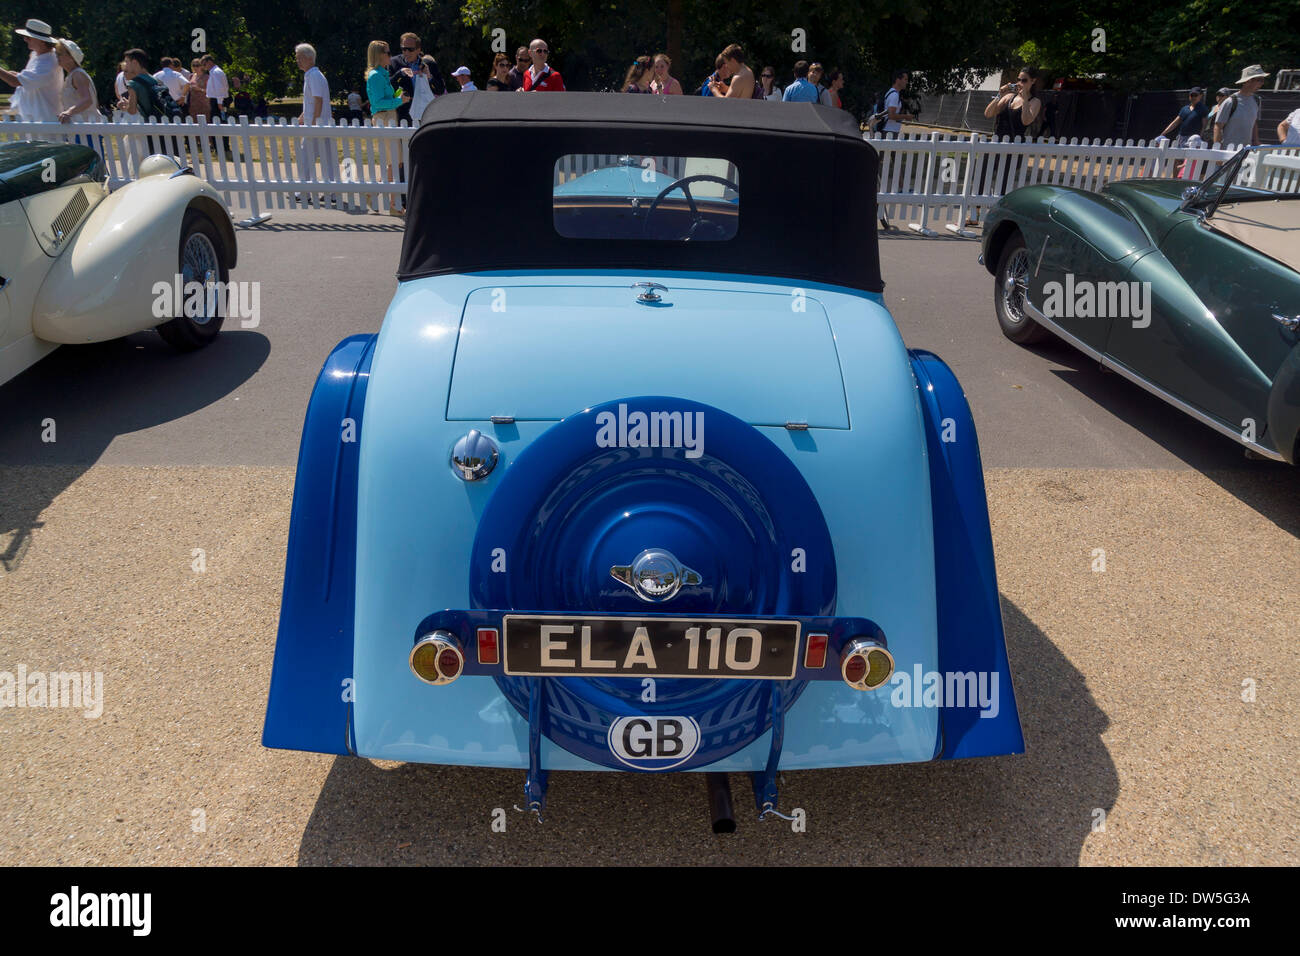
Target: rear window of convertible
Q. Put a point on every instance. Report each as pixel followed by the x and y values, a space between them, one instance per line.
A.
pixel 666 198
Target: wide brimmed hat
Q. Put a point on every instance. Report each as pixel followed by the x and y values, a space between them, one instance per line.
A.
pixel 1252 72
pixel 73 50
pixel 37 30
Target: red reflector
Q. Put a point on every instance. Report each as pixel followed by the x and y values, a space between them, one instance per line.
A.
pixel 815 655
pixel 448 663
pixel 487 646
pixel 855 669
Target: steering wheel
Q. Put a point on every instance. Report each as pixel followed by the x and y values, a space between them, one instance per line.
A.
pixel 684 184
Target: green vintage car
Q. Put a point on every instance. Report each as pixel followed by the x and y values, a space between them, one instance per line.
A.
pixel 1191 290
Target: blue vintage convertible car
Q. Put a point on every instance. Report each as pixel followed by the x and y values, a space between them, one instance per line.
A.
pixel 635 477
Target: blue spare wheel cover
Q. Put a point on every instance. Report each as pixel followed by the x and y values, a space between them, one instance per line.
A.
pixel 733 507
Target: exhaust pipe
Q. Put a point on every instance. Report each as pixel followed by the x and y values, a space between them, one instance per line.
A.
pixel 724 819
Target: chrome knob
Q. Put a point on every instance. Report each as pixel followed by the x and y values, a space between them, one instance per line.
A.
pixel 474 456
pixel 655 575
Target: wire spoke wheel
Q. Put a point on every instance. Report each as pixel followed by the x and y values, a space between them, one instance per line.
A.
pixel 1011 294
pixel 1015 283
pixel 199 264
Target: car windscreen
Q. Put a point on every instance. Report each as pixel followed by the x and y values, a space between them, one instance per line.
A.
pixel 1256 173
pixel 663 198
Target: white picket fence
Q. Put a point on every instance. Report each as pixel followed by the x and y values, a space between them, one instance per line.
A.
pixel 255 165
pixel 930 178
pixel 924 179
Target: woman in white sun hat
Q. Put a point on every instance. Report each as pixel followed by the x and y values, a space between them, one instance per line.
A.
pixel 38 84
pixel 80 102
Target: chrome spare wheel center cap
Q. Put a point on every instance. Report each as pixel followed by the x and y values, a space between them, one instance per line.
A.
pixel 655 575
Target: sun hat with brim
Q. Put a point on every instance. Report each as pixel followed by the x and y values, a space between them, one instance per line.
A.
pixel 1253 72
pixel 73 50
pixel 37 30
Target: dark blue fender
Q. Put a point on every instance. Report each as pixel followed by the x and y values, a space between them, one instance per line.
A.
pixel 970 614
pixel 309 705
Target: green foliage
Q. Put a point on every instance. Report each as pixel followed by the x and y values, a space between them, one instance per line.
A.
pixel 946 42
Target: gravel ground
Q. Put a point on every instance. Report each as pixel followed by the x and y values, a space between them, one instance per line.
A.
pixel 1130 683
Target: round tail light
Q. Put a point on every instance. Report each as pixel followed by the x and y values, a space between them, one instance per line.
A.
pixel 866 664
pixel 436 658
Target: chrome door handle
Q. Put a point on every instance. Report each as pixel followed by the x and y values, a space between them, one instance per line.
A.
pixel 1289 322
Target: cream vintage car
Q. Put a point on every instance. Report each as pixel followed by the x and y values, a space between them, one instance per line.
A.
pixel 81 264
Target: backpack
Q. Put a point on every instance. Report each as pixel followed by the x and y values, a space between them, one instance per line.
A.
pixel 1226 109
pixel 162 105
pixel 880 113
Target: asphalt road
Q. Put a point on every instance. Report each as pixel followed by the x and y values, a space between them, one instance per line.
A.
pixel 327 275
pixel 1131 682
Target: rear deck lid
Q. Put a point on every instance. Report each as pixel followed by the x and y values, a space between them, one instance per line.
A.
pixel 544 352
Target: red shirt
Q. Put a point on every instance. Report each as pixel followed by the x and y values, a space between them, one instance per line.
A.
pixel 547 81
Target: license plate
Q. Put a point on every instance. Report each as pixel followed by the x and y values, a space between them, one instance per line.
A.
pixel 563 646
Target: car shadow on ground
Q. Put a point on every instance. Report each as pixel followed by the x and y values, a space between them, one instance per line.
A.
pixel 84 396
pixel 1034 808
pixel 1269 487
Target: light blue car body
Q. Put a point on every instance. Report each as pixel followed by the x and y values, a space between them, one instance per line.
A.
pixel 872 452
pixel 838 491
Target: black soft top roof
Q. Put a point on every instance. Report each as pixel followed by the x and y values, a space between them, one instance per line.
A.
pixel 483 164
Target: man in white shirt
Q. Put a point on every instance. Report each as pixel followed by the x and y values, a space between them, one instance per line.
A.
pixel 463 78
pixel 315 112
pixel 41 82
pixel 218 87
pixel 894 104
pixel 1288 131
pixel 169 78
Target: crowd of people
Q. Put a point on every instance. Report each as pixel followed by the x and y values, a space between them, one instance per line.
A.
pixel 54 86
pixel 1234 118
pixel 399 86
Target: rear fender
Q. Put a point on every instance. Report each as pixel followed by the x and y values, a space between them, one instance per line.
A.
pixel 971 638
pixel 310 703
pixel 102 286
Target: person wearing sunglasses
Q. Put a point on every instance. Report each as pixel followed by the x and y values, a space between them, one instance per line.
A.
pixel 384 102
pixel 540 78
pixel 767 79
pixel 1017 110
pixel 403 70
pixel 499 81
pixel 522 62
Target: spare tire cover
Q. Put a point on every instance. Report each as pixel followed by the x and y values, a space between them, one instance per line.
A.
pixel 593 492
